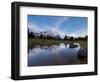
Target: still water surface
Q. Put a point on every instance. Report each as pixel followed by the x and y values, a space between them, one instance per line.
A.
pixel 60 54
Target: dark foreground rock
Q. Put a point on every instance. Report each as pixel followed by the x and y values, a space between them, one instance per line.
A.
pixel 82 52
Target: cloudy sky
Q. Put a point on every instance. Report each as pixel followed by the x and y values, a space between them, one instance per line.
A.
pixel 64 25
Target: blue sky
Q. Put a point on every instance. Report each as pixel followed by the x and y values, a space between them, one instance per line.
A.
pixel 64 25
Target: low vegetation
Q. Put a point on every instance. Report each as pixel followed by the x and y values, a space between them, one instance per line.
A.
pixel 38 41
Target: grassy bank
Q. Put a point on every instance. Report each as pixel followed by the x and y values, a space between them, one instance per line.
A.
pixel 37 41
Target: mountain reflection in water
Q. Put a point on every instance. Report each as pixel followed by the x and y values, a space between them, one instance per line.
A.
pixel 61 54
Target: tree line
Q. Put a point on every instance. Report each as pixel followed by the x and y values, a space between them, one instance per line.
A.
pixel 41 36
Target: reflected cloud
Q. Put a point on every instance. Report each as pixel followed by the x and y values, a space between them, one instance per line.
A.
pixel 49 55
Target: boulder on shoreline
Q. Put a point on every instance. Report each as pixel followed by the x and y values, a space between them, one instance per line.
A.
pixel 82 52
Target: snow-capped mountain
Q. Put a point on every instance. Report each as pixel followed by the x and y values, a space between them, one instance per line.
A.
pixel 48 33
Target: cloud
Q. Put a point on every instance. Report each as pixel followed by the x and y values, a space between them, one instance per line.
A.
pixel 60 21
pixel 56 28
pixel 34 28
pixel 57 25
pixel 79 33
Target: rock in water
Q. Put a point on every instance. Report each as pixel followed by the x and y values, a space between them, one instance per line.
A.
pixel 73 45
pixel 82 52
